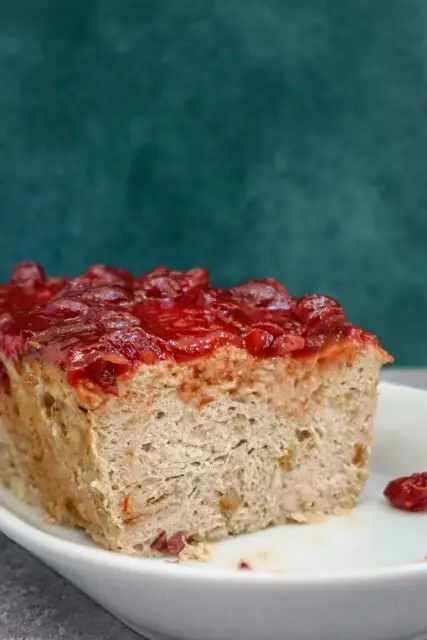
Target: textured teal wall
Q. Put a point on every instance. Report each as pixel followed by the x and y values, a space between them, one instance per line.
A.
pixel 257 137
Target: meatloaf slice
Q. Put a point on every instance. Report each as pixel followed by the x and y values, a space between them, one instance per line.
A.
pixel 158 412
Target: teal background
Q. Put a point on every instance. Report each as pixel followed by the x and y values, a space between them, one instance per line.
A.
pixel 257 137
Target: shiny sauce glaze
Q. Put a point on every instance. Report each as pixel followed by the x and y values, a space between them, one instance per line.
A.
pixel 106 322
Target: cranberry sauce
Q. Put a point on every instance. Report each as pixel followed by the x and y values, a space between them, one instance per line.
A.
pixel 106 322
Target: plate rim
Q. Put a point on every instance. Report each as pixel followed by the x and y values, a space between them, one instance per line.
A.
pixel 33 539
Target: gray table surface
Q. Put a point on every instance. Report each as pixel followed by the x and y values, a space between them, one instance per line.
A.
pixel 36 604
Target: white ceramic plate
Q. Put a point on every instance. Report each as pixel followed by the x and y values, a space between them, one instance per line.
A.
pixel 356 577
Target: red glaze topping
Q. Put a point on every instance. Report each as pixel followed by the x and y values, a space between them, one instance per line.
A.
pixel 408 493
pixel 106 322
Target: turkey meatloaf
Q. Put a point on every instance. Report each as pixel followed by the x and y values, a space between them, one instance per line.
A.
pixel 159 412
